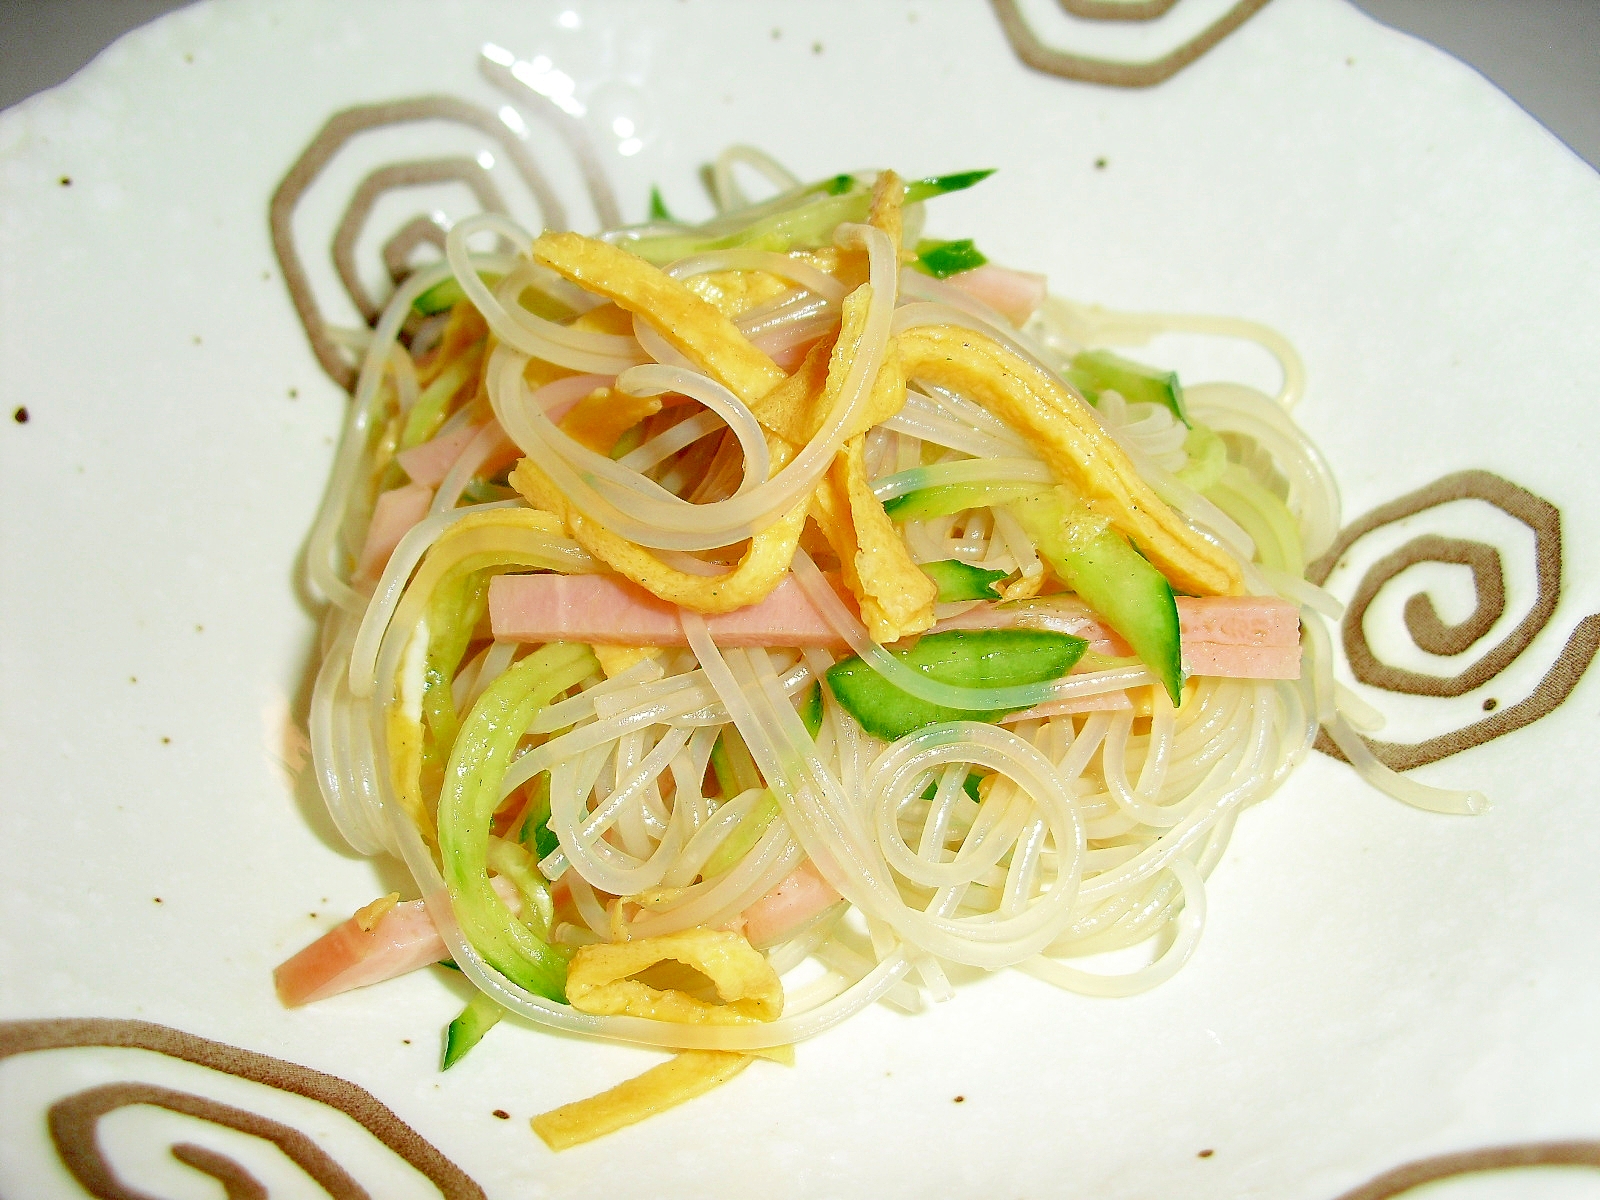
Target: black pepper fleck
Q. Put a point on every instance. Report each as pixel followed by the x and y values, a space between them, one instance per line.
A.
pixel 166 741
pixel 1205 1154
pixel 20 414
pixel 1490 704
pixel 501 1113
pixel 960 1100
pixel 66 181
pixel 406 1041
pixel 157 899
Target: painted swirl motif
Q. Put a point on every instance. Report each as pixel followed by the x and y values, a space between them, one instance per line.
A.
pixel 73 1120
pixel 1474 1162
pixel 490 135
pixel 1431 634
pixel 1031 49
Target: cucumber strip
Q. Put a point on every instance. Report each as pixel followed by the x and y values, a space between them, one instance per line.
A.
pixel 658 207
pixel 732 764
pixel 944 259
pixel 479 1016
pixel 433 405
pixel 1208 458
pixel 943 499
pixel 447 293
pixel 942 185
pixel 516 864
pixel 1096 371
pixel 454 610
pixel 467 803
pixel 536 833
pixel 744 836
pixel 962 581
pixel 984 658
pixel 1111 577
pixel 811 710
pixel 809 221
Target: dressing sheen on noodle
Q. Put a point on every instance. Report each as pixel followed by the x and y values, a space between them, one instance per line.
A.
pixel 734 626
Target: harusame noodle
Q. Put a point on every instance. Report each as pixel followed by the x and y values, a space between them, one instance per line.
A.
pixel 735 626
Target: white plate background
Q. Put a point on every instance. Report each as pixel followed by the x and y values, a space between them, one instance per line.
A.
pixel 1375 984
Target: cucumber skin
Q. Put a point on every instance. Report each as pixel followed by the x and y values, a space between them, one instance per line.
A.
pixel 811 710
pixel 479 1016
pixel 1113 579
pixel 968 657
pixel 962 581
pixel 1096 371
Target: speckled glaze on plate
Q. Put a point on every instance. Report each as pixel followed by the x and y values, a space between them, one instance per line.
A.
pixel 1382 996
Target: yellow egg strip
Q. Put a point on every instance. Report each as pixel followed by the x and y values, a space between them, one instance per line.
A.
pixel 604 415
pixel 690 325
pixel 686 1075
pixel 1072 442
pixel 763 564
pixel 600 979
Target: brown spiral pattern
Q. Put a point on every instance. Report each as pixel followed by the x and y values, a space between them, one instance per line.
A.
pixel 1433 635
pixel 339 132
pixel 1474 1162
pixel 1063 63
pixel 73 1120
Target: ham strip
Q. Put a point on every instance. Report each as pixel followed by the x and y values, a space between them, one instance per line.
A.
pixel 780 914
pixel 1240 637
pixel 1237 637
pixel 1013 294
pixel 396 511
pixel 601 608
pixel 429 462
pixel 403 939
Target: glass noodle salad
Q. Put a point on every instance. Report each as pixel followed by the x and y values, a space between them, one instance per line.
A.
pixel 738 625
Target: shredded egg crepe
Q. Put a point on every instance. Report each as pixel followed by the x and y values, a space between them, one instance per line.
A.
pixel 734 626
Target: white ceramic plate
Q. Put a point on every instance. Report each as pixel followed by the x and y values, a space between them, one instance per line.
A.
pixel 1376 985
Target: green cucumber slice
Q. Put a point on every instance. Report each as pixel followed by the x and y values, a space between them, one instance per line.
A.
pixel 962 581
pixel 965 657
pixel 1111 577
pixel 944 259
pixel 1096 371
pixel 479 1016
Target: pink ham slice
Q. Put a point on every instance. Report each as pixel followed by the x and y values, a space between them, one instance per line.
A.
pixel 1237 637
pixel 396 511
pixel 779 915
pixel 429 462
pixel 403 939
pixel 1014 294
pixel 601 608
pixel 1240 637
